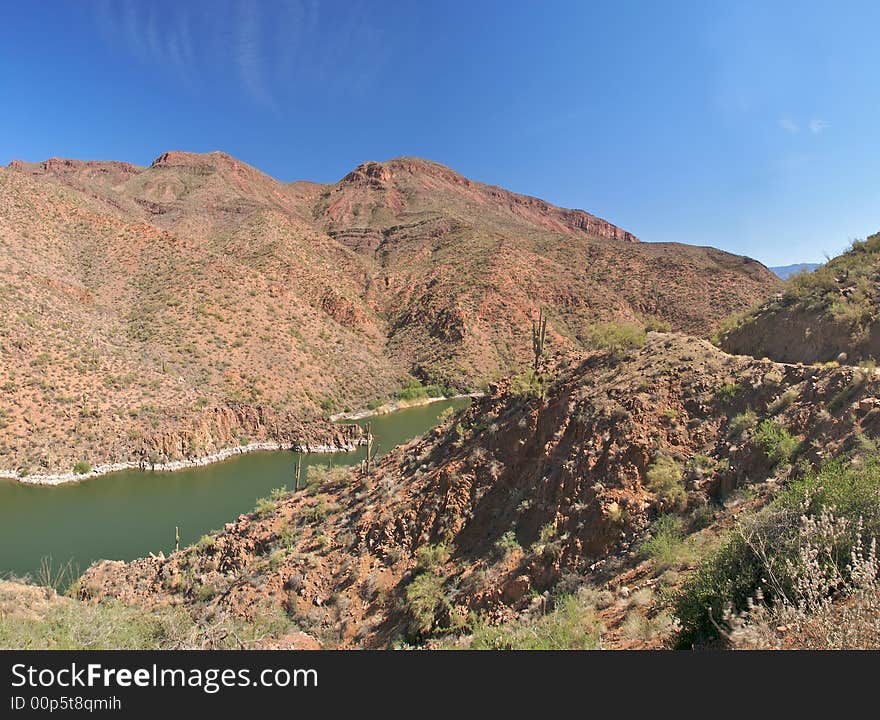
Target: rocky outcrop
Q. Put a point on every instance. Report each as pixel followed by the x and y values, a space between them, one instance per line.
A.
pixel 236 424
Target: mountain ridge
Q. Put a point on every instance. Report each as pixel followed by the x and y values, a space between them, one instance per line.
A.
pixel 140 298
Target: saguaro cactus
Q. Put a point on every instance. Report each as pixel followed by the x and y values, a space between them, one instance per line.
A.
pixel 539 334
pixel 369 446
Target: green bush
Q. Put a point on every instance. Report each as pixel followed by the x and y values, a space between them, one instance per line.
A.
pixel 265 506
pixel 616 338
pixel 445 415
pixel 727 393
pixel 528 385
pixel 655 324
pixel 414 390
pixel 425 599
pixel 429 557
pixel 82 467
pixel 782 402
pixel 763 552
pixel 778 444
pixel 743 422
pixel 572 625
pixel 666 545
pixel 666 480
pixel 506 544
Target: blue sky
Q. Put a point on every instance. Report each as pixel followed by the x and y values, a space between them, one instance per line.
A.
pixel 750 126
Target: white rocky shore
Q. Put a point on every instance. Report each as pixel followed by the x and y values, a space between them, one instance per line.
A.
pixel 391 407
pixel 225 454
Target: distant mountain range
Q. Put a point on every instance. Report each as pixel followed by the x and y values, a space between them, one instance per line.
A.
pixel 784 271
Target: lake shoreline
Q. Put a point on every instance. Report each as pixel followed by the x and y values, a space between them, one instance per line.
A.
pixel 55 479
pixel 397 405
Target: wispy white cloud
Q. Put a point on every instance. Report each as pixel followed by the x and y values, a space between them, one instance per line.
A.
pixel 816 126
pixel 789 125
pixel 249 52
pixel 271 53
pixel 150 36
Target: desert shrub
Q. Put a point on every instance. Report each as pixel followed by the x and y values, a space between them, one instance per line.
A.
pixel 814 577
pixel 616 338
pixel 730 575
pixel 764 551
pixel 778 444
pixel 655 324
pixel 82 467
pixel 572 625
pixel 646 628
pixel 849 391
pixel 287 536
pixel 847 625
pixel 527 385
pixel 318 476
pixel 265 506
pixel 206 543
pixel 772 378
pixel 429 557
pixel 782 402
pixel 281 493
pixel 727 393
pixel 425 599
pixel 445 415
pixel 317 512
pixel 729 324
pixel 205 592
pixel 743 422
pixel 414 390
pixel 704 463
pixel 666 544
pixel 666 480
pixel 506 544
pixel 110 625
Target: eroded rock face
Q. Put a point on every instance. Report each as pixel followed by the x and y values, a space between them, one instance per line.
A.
pixel 233 424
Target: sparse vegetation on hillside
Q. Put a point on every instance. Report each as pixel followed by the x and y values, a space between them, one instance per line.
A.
pixel 236 306
pixel 808 532
pixel 615 338
pixel 825 315
pixel 625 475
pixel 666 480
pixel 573 624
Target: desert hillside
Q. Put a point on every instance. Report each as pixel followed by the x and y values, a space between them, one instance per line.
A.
pixel 829 314
pixel 588 511
pixel 158 313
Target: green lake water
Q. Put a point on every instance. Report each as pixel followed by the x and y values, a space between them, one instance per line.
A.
pixel 130 514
